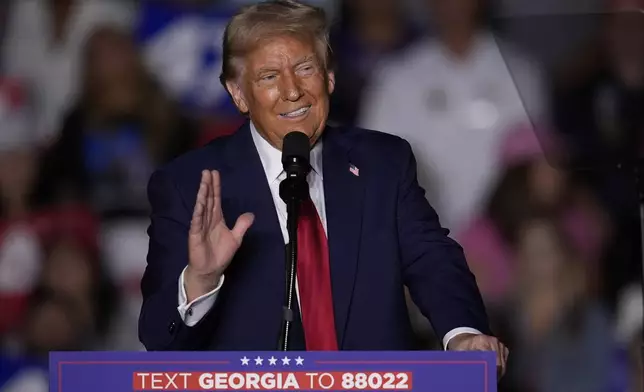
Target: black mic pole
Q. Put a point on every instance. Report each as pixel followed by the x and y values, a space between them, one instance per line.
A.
pixel 293 189
pixel 296 189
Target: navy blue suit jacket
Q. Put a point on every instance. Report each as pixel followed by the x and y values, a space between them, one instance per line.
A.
pixel 383 235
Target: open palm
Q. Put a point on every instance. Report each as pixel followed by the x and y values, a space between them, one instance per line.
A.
pixel 211 244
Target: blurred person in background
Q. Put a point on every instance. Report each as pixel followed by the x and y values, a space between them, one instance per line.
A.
pixel 71 307
pixel 74 264
pixel 121 127
pixel 611 87
pixel 42 44
pixel 20 255
pixel 368 31
pixel 52 323
pixel 530 183
pixel 73 269
pixel 563 335
pixel 453 98
pixel 600 116
pixel 25 226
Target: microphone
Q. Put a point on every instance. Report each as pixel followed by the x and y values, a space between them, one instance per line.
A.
pixel 293 189
pixel 295 160
pixel 295 154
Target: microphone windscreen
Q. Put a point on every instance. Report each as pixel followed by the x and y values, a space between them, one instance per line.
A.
pixel 295 147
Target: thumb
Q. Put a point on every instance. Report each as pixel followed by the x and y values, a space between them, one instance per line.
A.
pixel 241 226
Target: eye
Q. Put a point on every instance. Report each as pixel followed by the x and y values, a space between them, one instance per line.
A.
pixel 268 78
pixel 306 69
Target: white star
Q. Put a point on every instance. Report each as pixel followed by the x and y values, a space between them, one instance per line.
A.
pixel 272 361
pixel 286 361
pixel 258 361
pixel 299 361
pixel 244 361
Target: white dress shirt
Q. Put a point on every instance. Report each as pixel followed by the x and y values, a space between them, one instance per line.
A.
pixel 271 159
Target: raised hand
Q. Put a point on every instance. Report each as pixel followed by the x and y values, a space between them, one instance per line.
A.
pixel 211 244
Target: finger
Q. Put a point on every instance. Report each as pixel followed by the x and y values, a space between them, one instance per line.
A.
pixel 502 350
pixel 500 366
pixel 209 200
pixel 242 225
pixel 196 224
pixel 216 196
pixel 502 355
pixel 197 221
pixel 499 359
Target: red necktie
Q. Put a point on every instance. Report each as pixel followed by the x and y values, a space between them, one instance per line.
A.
pixel 314 281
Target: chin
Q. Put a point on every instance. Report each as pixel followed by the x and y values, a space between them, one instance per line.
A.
pixel 303 127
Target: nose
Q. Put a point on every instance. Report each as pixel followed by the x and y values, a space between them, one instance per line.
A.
pixel 290 88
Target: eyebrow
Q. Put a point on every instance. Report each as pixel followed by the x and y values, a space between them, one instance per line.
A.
pixel 271 68
pixel 267 68
pixel 305 59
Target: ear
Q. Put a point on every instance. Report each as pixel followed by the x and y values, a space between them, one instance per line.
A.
pixel 237 95
pixel 330 81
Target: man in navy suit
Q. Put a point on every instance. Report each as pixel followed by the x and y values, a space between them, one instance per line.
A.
pixel 212 287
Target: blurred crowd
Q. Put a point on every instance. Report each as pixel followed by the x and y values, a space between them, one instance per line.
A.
pixel 525 120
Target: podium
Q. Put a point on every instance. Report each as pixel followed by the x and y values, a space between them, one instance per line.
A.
pixel 418 371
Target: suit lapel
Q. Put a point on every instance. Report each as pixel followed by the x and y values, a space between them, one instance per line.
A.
pixel 247 190
pixel 248 186
pixel 343 193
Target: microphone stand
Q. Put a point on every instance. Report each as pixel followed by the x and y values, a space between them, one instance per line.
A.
pixel 292 190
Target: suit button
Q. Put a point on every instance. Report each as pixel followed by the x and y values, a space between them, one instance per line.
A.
pixel 172 327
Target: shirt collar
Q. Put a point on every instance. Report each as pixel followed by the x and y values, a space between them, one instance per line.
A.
pixel 271 157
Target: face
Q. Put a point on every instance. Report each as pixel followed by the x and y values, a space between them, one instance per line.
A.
pixel 50 328
pixel 115 74
pixel 284 87
pixel 540 254
pixel 548 183
pixel 17 173
pixel 454 13
pixel 68 269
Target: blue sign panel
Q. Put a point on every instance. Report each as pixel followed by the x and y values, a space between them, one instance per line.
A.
pixel 420 371
pixel 182 46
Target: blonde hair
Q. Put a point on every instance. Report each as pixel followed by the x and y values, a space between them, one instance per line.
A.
pixel 269 19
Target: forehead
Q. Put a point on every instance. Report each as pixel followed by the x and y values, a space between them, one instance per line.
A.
pixel 281 51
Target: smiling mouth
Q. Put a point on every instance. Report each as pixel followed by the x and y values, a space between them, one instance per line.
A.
pixel 297 113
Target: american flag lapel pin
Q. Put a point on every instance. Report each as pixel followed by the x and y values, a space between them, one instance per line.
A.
pixel 354 170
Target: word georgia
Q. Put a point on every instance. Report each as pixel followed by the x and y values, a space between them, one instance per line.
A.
pixel 272 381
